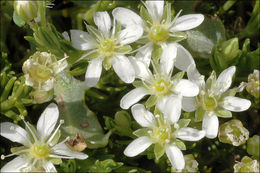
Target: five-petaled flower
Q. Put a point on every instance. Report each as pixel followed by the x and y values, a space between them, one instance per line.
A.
pixel 40 148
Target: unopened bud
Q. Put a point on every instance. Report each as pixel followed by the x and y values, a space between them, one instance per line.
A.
pixel 253 146
pixel 41 96
pixel 253 86
pixel 246 165
pixel 233 132
pixel 27 10
pixel 230 49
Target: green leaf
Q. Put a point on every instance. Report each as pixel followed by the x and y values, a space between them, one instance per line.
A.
pixel 223 113
pixel 199 114
pixel 159 150
pixel 18 20
pixel 105 166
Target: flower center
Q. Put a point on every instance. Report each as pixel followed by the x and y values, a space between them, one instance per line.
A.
pixel 162 134
pixel 39 72
pixel 161 86
pixel 208 102
pixel 40 150
pixel 107 47
pixel 158 33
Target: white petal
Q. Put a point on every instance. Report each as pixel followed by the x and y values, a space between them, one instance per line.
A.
pixel 82 40
pixel 210 125
pixel 103 21
pixel 175 156
pixel 127 17
pixel 183 58
pixel 141 69
pixel 194 76
pixel 236 104
pixel 190 134
pixel 17 134
pixel 186 88
pixel 48 120
pixel 171 107
pixel 168 57
pixel 137 146
pixel 62 150
pixel 65 34
pixel 93 72
pixel 155 9
pixel 132 97
pixel 124 69
pixel 49 167
pixel 142 116
pixel 225 79
pixel 144 53
pixel 189 104
pixel 187 22
pixel 16 164
pixel 130 34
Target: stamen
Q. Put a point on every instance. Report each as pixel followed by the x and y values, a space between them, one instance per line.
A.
pixel 52 136
pixel 61 157
pixel 27 125
pixel 175 18
pixel 13 154
pixel 2 157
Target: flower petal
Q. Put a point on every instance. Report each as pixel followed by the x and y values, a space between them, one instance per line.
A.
pixel 141 69
pixel 137 146
pixel 194 76
pixel 189 104
pixel 93 72
pixel 17 134
pixel 186 88
pixel 190 134
pixel 16 164
pixel 62 150
pixel 175 156
pixel 47 121
pixel 103 21
pixel 171 107
pixel 142 116
pixel 225 79
pixel 130 34
pixel 187 22
pixel 168 57
pixel 49 167
pixel 144 53
pixel 82 40
pixel 210 125
pixel 132 97
pixel 236 104
pixel 183 58
pixel 126 17
pixel 155 9
pixel 124 69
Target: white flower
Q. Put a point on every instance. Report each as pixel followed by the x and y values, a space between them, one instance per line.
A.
pixel 165 134
pixel 40 148
pixel 108 46
pixel 160 29
pixel 214 99
pixel 166 91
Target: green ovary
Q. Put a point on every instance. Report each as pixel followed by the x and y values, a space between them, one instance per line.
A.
pixel 40 150
pixel 162 134
pixel 158 33
pixel 107 47
pixel 208 102
pixel 161 87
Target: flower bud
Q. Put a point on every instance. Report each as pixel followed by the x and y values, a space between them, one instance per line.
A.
pixel 233 132
pixel 40 70
pixel 246 165
pixel 191 165
pixel 27 10
pixel 253 146
pixel 230 49
pixel 253 86
pixel 41 96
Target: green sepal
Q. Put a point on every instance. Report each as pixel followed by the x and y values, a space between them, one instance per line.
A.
pixel 178 76
pixel 223 113
pixel 124 49
pixel 55 139
pixel 230 92
pixel 211 80
pixel 16 149
pixel 199 114
pixel 123 119
pixel 141 132
pixel 18 20
pixel 30 133
pixel 177 37
pixel 145 16
pixel 159 150
pixel 167 13
pixel 157 53
pixel 56 161
pixel 138 83
pixel 107 63
pixel 180 144
pixel 184 122
pixel 151 101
